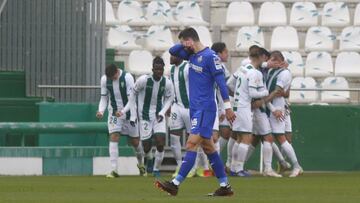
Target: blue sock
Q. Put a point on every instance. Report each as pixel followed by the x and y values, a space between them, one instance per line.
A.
pixel 186 166
pixel 218 167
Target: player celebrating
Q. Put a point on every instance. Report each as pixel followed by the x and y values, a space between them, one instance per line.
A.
pixel 116 86
pixel 248 86
pixel 155 95
pixel 205 70
pixel 180 114
pixel 224 126
pixel 278 81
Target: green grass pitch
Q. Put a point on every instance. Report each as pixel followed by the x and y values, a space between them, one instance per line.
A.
pixel 319 188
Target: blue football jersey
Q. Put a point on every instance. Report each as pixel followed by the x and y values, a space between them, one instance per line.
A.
pixel 205 69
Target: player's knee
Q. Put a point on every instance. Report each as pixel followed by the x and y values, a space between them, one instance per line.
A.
pixel 135 142
pixel 114 137
pixel 191 146
pixel 160 148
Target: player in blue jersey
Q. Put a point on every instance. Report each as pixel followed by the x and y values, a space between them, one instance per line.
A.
pixel 205 70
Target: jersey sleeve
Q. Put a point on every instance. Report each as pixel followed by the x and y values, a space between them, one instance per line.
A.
pixel 130 83
pixel 255 79
pixel 284 79
pixel 169 97
pixel 139 84
pixel 104 91
pixel 179 51
pixel 104 95
pixel 231 82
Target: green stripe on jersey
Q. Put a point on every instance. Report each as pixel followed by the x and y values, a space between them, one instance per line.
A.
pixel 182 87
pixel 109 86
pixel 160 95
pixel 272 79
pixel 147 99
pixel 123 92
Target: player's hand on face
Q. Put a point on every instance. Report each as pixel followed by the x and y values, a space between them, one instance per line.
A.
pixel 230 115
pixel 99 115
pixel 222 117
pixel 284 64
pixel 118 113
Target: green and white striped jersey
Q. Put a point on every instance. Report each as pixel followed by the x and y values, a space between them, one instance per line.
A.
pixel 154 97
pixel 278 77
pixel 180 79
pixel 117 92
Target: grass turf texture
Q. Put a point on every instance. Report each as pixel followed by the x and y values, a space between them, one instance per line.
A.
pixel 335 187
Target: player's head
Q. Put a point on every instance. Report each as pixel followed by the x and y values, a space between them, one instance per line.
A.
pixel 188 37
pixel 255 57
pixel 112 72
pixel 158 67
pixel 221 50
pixel 276 57
pixel 253 48
pixel 264 54
pixel 174 60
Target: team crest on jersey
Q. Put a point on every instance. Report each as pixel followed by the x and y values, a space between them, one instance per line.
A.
pixel 199 59
pixel 217 63
pixel 194 123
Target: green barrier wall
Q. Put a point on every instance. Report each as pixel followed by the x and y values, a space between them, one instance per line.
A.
pixel 326 138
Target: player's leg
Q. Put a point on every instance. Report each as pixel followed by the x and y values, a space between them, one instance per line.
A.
pixel 176 125
pixel 243 127
pixel 146 141
pixel 114 127
pixel 268 140
pixel 278 128
pixel 159 137
pixel 225 134
pixel 134 140
pixel 215 134
pixel 232 141
pixel 252 146
pixel 114 154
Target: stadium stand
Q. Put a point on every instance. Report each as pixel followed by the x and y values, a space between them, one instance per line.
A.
pixel 143 66
pixel 335 14
pixel 110 17
pixel 295 61
pixel 350 39
pixel 160 13
pixel 158 38
pixel 272 14
pixel 123 38
pixel 335 96
pixel 319 64
pixel 188 13
pixel 240 14
pixel 204 35
pixel 347 64
pixel 248 36
pixel 303 96
pixel 357 15
pixel 319 39
pixel 284 38
pixel 304 14
pixel 131 13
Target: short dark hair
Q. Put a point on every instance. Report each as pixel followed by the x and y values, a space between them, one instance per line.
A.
pixel 218 47
pixel 189 33
pixel 111 70
pixel 254 51
pixel 253 47
pixel 265 52
pixel 277 54
pixel 158 61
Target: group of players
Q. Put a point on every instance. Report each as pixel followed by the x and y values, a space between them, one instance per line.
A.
pixel 141 109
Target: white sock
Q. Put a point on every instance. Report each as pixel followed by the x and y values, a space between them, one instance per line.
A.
pixel 290 152
pixel 243 150
pixel 277 152
pixel 229 151
pixel 159 156
pixel 139 154
pixel 235 157
pixel 267 154
pixel 176 148
pixel 217 146
pixel 250 152
pixel 114 154
pixel 203 161
pixel 222 143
